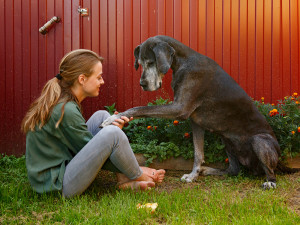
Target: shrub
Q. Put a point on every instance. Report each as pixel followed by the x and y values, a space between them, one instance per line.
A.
pixel 164 138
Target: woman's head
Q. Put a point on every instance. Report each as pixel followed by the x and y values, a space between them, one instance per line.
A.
pixel 75 67
pixel 75 63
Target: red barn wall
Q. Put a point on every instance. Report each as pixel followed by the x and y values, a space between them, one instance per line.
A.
pixel 255 41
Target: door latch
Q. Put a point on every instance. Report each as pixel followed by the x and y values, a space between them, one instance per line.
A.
pixel 83 11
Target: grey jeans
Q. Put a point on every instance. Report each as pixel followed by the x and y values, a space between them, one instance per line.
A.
pixel 109 148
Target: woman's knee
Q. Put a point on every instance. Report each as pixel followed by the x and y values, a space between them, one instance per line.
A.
pixel 101 115
pixel 114 132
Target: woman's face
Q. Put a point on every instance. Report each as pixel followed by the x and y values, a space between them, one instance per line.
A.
pixel 91 85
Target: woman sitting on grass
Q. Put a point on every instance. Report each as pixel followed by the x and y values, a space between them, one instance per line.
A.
pixel 63 152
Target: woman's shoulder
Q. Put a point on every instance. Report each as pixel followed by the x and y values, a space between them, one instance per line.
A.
pixel 68 107
pixel 71 112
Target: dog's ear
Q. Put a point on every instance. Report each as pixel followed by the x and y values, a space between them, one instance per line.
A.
pixel 136 55
pixel 164 56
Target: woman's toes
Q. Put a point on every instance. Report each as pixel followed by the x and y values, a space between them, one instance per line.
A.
pixel 137 185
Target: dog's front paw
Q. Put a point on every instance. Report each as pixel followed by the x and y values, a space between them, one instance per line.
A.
pixel 268 185
pixel 110 119
pixel 188 178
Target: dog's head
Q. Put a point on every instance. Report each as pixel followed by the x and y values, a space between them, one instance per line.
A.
pixel 156 58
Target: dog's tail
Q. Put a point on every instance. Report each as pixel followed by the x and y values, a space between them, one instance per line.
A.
pixel 284 169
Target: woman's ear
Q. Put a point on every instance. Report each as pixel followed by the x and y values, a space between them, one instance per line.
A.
pixel 81 78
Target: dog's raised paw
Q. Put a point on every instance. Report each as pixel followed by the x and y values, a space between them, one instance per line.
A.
pixel 268 185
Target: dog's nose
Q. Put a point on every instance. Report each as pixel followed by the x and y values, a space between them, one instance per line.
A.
pixel 143 83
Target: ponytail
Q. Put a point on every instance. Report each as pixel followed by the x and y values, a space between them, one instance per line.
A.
pixel 40 109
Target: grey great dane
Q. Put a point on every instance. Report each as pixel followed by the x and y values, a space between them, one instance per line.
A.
pixel 213 101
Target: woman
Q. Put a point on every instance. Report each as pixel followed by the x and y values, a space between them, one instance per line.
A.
pixel 65 153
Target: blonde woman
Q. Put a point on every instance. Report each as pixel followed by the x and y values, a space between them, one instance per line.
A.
pixel 65 153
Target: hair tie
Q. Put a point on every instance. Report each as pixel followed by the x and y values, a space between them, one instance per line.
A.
pixel 58 76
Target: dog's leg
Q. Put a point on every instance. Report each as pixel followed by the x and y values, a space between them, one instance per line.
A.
pixel 265 147
pixel 198 140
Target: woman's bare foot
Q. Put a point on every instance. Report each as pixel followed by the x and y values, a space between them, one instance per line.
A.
pixel 156 175
pixel 137 185
pixel 148 174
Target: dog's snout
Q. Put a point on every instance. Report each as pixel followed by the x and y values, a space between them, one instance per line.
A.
pixel 143 83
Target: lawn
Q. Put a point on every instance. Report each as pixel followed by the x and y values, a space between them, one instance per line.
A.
pixel 209 200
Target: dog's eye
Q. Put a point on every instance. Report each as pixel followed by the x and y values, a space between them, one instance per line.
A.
pixel 150 63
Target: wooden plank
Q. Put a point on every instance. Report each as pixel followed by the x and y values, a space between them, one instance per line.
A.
pixel 251 50
pixel 136 40
pixel 243 45
pixel 128 30
pixel 185 23
pixel 219 32
pixel 104 50
pixel 259 84
pixel 210 29
pixel 234 58
pixel 226 36
pixel 67 24
pixel 3 106
pixel 95 26
pixel 17 70
pixel 34 50
pixel 26 56
pixel 294 46
pixel 177 20
pixel 9 73
pixel 161 17
pixel 112 41
pixel 169 10
pixel 276 53
pixel 42 40
pixel 193 22
pixel 50 43
pixel 202 27
pixel 76 25
pixel 267 50
pixel 286 48
pixel 122 78
pixel 59 35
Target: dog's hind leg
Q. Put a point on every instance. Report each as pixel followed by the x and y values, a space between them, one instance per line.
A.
pixel 266 149
pixel 198 140
pixel 233 169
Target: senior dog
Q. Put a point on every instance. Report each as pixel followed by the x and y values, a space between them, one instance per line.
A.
pixel 213 101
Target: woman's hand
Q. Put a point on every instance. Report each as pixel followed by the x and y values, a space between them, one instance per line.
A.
pixel 122 121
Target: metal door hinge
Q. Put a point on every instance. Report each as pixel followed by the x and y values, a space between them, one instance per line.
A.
pixel 83 11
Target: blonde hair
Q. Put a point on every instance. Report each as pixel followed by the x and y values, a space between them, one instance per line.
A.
pixel 73 64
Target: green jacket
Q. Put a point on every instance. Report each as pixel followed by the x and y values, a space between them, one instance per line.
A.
pixel 49 149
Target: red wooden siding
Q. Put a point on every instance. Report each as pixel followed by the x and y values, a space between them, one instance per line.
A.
pixel 256 42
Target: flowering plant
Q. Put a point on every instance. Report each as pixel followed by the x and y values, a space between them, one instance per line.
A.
pixel 284 118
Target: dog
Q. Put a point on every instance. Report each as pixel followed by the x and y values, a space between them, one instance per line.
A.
pixel 213 101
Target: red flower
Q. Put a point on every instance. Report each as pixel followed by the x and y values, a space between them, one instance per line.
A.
pixel 226 160
pixel 176 122
pixel 149 128
pixel 155 127
pixel 298 129
pixel 186 135
pixel 273 112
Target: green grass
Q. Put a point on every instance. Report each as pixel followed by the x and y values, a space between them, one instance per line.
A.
pixel 210 200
